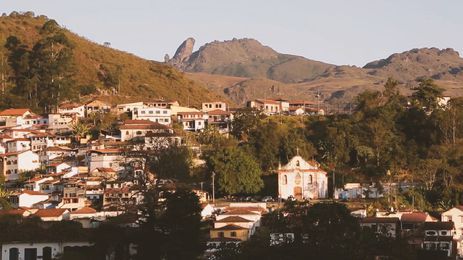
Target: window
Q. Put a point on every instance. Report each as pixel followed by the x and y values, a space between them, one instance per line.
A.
pixel 449 218
pixel 233 234
pixel 285 179
pixel 14 253
pixel 151 112
pixel 46 253
pixel 298 163
pixel 142 112
pixel 220 234
pixel 164 112
pixel 310 179
pixel 139 133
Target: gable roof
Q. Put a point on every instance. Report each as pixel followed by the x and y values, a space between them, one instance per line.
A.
pixel 414 217
pixel 31 192
pixel 379 220
pixel 50 213
pixel 14 111
pixel 84 210
pixel 231 227
pixel 233 219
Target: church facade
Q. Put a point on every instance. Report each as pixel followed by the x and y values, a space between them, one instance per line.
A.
pixel 302 180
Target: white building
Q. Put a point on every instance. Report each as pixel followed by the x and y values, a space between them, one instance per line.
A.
pixel 153 114
pixel 140 128
pixel 62 122
pixel 27 198
pixel 129 107
pixel 192 121
pixel 211 106
pixel 72 109
pixel 12 164
pixel 455 215
pixel 302 180
pixel 39 250
pixel 105 158
pixel 14 116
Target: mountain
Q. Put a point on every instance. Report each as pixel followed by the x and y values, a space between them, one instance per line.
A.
pixel 140 79
pixel 244 69
pixel 249 58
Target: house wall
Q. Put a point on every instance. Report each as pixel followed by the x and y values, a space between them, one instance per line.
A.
pixel 242 235
pixel 57 248
pixel 26 200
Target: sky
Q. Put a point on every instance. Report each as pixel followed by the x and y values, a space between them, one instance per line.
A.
pixel 342 32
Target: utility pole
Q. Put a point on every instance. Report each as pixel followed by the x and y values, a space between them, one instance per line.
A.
pixel 213 187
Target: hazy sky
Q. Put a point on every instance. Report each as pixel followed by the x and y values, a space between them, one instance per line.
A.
pixel 335 31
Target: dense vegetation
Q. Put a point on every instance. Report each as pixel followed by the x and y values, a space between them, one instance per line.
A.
pixel 388 137
pixel 39 59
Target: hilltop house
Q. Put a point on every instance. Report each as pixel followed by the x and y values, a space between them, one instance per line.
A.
pixel 14 116
pixel 302 180
pixel 14 163
pixel 211 106
pixel 192 121
pixel 70 108
pixel 140 128
pixel 153 114
pixel 96 106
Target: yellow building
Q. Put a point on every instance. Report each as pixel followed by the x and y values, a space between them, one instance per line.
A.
pixel 230 231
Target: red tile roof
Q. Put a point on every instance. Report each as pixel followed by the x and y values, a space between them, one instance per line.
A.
pixel 14 111
pixel 379 220
pixel 230 227
pixel 218 112
pixel 415 217
pixel 50 213
pixel 233 219
pixel 31 192
pixel 84 210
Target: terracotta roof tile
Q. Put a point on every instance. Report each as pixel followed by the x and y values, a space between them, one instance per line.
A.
pixel 50 213
pixel 14 111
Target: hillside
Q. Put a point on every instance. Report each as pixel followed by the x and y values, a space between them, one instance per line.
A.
pixel 245 69
pixel 139 78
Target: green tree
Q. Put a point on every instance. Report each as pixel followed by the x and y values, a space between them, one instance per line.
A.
pixel 173 162
pixel 237 171
pixel 427 94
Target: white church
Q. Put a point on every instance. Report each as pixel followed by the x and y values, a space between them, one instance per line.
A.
pixel 302 180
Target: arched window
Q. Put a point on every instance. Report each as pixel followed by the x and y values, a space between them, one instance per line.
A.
pixel 46 253
pixel 14 253
pixel 310 179
pixel 285 179
pixel 138 132
pixel 298 163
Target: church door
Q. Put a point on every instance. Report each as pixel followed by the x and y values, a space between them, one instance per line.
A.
pixel 298 193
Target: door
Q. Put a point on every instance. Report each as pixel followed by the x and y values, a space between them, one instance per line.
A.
pixel 30 254
pixel 298 193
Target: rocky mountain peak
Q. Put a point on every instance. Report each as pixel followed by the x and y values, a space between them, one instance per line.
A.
pixel 183 53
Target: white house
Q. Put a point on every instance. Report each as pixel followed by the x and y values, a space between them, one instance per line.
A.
pixel 12 164
pixel 455 215
pixel 139 128
pixel 192 121
pixel 14 116
pixel 63 122
pixel 267 106
pixel 96 106
pixel 70 108
pixel 154 114
pixel 34 183
pixel 211 106
pixel 37 250
pixel 18 145
pixel 302 180
pixel 129 107
pixel 27 198
pixel 52 214
pixel 105 158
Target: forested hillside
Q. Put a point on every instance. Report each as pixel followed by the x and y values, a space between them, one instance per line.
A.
pixel 43 64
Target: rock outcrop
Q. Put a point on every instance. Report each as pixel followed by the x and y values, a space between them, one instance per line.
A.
pixel 183 53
